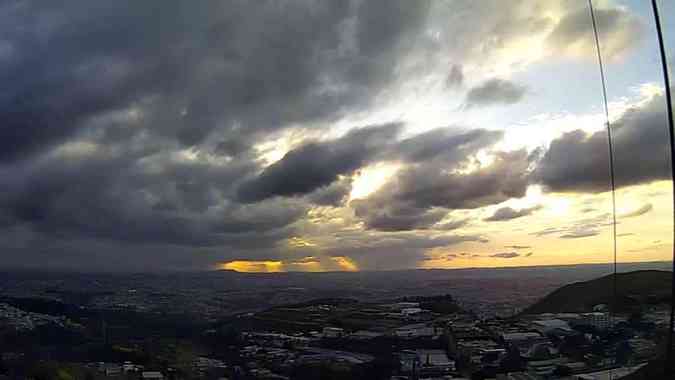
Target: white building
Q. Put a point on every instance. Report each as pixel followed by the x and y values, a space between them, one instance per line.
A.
pixel 410 311
pixel 546 326
pixel 152 375
pixel 333 332
pixel 542 360
pixel 596 319
pixel 403 305
pixel 616 373
pixel 414 331
pixel 523 341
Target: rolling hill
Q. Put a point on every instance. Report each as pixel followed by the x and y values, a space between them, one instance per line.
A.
pixel 633 288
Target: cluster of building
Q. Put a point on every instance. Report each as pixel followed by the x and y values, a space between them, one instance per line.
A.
pixel 460 345
pixel 125 370
pixel 549 346
pixel 418 343
pixel 202 367
pixel 19 320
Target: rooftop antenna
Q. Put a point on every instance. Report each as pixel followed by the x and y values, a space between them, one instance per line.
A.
pixel 671 134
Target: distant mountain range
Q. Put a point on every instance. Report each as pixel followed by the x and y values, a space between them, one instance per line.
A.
pixel 632 288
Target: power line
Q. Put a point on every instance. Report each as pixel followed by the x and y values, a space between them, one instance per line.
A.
pixel 611 154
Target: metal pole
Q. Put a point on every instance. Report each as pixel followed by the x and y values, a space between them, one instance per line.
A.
pixel 671 133
pixel 610 144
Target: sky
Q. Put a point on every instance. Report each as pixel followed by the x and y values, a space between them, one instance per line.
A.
pixel 329 135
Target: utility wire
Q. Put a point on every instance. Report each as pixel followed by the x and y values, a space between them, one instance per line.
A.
pixel 611 157
pixel 671 134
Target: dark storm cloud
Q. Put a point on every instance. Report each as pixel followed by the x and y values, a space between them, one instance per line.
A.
pixel 113 197
pixel 238 66
pixel 495 91
pixel 508 213
pixel 128 129
pixel 506 255
pixel 640 211
pixel 430 186
pixel 400 217
pixel 318 164
pixel 104 105
pixel 578 162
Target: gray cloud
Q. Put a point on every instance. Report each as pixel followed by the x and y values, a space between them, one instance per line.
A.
pixel 444 144
pixel 495 91
pixel 517 246
pixel 420 191
pixel 508 213
pixel 506 255
pixel 417 196
pixel 427 186
pixel 395 208
pixel 318 164
pixel 581 228
pixel 334 194
pixel 129 139
pixel 640 211
pixel 455 77
pixel 577 162
pixel 579 234
pixel 620 31
pixel 396 250
pixel 113 197
pixel 138 90
pixel 237 67
pixel 399 217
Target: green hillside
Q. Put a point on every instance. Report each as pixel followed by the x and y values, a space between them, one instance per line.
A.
pixel 633 289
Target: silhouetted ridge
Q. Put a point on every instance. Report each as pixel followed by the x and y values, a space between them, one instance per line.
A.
pixel 633 288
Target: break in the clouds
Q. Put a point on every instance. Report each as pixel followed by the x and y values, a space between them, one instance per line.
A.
pixel 315 165
pixel 419 196
pixel 252 132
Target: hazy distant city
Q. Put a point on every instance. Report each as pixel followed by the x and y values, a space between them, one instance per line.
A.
pixel 516 323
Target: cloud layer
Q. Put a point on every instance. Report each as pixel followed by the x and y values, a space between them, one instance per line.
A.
pixel 131 138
